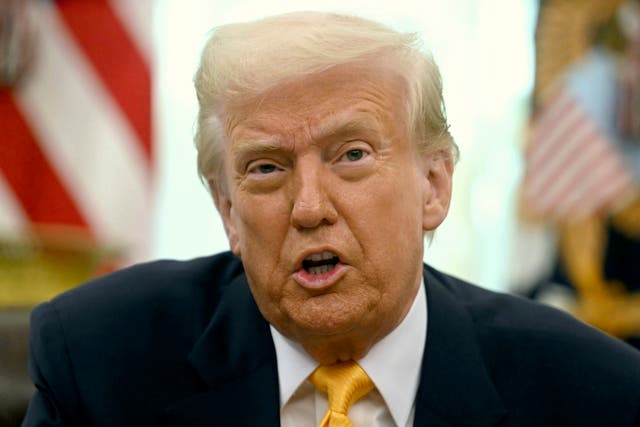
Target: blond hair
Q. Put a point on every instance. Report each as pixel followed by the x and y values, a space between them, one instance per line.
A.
pixel 242 60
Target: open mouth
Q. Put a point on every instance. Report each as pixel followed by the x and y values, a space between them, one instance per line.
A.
pixel 320 263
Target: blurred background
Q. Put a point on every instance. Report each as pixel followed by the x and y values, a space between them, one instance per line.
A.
pixel 97 165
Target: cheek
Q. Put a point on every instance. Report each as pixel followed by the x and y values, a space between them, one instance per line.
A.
pixel 386 221
pixel 262 222
pixel 390 206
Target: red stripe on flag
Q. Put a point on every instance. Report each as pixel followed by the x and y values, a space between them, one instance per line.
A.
pixel 116 59
pixel 552 153
pixel 33 180
pixel 551 182
pixel 546 120
pixel 572 169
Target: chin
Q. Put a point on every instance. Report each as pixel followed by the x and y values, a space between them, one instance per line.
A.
pixel 327 350
pixel 330 315
pixel 325 326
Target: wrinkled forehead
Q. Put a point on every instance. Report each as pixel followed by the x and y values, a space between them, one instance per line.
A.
pixel 363 91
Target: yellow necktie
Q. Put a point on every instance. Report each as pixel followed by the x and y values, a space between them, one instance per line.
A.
pixel 344 383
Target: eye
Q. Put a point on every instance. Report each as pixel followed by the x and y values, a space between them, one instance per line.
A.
pixel 354 155
pixel 355 160
pixel 262 167
pixel 265 168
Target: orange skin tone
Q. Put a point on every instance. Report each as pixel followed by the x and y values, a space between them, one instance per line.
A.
pixel 326 163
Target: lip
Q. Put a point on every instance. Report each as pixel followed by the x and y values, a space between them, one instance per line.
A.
pixel 307 253
pixel 319 281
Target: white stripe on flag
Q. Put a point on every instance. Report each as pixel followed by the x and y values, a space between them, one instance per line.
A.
pixel 568 175
pixel 86 137
pixel 590 195
pixel 561 150
pixel 548 120
pixel 136 17
pixel 13 220
pixel 572 169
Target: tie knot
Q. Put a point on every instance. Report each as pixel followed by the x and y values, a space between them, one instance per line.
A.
pixel 344 383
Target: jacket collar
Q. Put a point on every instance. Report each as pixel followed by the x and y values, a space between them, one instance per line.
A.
pixel 455 388
pixel 236 359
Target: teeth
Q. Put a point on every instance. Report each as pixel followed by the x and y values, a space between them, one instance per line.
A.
pixel 321 257
pixel 320 263
pixel 320 269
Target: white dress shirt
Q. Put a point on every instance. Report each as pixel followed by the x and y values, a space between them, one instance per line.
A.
pixel 393 364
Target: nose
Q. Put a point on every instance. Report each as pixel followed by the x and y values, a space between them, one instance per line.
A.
pixel 311 205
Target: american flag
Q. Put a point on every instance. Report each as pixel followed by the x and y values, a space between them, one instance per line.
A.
pixel 76 148
pixel 574 167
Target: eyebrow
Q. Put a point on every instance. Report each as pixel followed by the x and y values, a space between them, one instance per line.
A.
pixel 256 145
pixel 348 123
pixel 345 124
pixel 250 147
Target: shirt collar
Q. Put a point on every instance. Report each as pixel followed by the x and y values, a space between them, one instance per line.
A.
pixel 386 366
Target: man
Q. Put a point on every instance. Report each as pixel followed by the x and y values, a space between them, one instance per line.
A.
pixel 326 149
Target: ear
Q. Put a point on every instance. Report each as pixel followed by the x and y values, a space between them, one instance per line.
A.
pixel 438 174
pixel 225 208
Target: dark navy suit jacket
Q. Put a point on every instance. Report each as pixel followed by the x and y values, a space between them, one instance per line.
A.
pixel 183 344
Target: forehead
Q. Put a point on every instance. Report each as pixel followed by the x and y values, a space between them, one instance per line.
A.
pixel 348 96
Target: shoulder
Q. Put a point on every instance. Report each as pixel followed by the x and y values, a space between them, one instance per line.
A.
pixel 524 342
pixel 152 284
pixel 162 276
pixel 506 313
pixel 124 338
pixel 138 301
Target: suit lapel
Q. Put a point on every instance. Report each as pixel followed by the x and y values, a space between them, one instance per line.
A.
pixel 236 359
pixel 455 389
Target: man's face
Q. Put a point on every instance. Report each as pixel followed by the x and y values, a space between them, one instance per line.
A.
pixel 327 205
